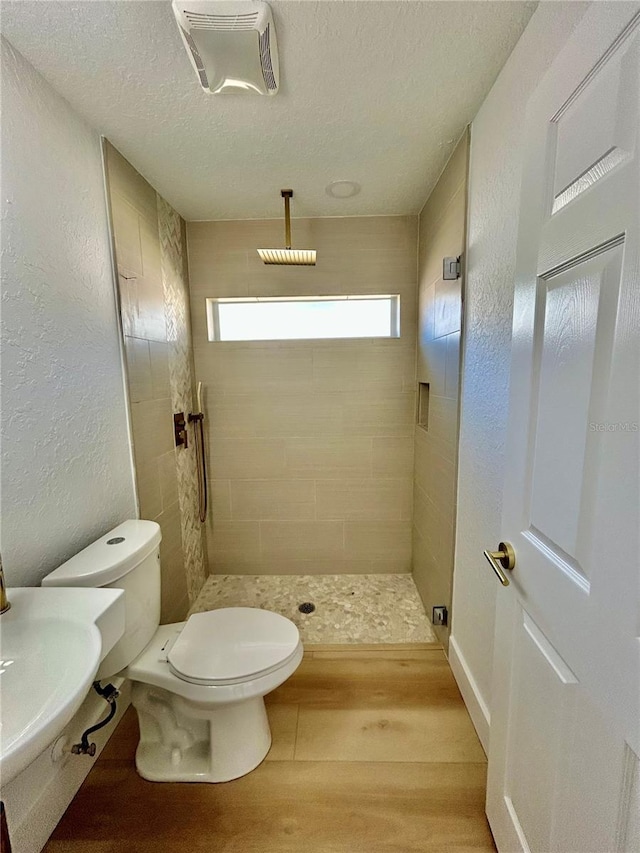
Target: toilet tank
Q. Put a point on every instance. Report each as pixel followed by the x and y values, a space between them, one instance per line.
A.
pixel 128 558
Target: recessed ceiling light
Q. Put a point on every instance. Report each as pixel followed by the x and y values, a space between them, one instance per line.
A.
pixel 342 189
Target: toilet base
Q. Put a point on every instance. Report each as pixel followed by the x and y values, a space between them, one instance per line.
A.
pixel 186 741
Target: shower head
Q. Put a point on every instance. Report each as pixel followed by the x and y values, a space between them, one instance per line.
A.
pixel 298 257
pixel 288 256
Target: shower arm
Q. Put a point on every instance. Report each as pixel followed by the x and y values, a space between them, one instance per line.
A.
pixel 288 256
pixel 287 195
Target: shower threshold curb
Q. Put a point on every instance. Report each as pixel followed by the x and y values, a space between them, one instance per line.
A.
pixel 372 647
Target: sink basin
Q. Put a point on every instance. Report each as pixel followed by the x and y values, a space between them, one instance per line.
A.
pixel 51 644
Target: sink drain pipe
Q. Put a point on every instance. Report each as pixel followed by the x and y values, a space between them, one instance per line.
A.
pixel 109 694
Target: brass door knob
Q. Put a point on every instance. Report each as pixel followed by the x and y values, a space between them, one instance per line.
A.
pixel 503 558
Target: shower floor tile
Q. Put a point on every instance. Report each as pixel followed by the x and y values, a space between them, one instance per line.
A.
pixel 349 608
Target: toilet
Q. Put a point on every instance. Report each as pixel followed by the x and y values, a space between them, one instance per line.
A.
pixel 198 686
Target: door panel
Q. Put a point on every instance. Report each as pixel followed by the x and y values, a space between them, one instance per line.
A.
pixel 577 313
pixel 542 698
pixel 586 151
pixel 565 725
pixel 628 830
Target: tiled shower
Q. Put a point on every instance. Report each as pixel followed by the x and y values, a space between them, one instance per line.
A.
pixel 322 474
pixel 152 290
pixel 310 441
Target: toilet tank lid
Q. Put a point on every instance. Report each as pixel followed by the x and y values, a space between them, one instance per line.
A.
pixel 110 557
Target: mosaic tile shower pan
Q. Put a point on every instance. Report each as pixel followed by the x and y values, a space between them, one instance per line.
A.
pixel 348 608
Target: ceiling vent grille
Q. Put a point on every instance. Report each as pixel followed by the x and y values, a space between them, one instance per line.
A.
pixel 221 22
pixel 197 59
pixel 232 45
pixel 265 60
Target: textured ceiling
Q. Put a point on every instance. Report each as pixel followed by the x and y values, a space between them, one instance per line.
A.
pixel 373 92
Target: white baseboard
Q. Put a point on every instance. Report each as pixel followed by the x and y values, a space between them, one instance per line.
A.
pixel 38 797
pixel 477 707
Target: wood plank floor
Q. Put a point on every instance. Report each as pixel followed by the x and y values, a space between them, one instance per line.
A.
pixel 373 750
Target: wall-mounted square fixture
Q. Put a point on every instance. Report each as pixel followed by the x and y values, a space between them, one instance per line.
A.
pixel 440 615
pixel 451 269
pixel 423 405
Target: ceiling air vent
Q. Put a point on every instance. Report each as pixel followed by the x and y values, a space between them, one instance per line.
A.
pixel 197 59
pixel 265 60
pixel 222 22
pixel 231 44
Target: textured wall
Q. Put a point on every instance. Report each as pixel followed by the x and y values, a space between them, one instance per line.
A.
pixel 155 319
pixel 66 466
pixel 311 442
pixel 495 166
pixel 441 234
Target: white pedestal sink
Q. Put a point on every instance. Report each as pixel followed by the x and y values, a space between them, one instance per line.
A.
pixel 52 641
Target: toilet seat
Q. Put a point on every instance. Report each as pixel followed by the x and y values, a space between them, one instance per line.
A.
pixel 232 645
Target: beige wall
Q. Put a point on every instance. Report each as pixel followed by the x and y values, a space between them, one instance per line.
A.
pixel 154 310
pixel 310 442
pixel 441 234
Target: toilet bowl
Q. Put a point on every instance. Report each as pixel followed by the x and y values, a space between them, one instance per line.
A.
pixel 198 686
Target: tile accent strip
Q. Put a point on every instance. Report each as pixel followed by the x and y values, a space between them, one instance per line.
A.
pixel 176 299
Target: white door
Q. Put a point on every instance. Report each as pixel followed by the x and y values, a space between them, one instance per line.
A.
pixel 564 759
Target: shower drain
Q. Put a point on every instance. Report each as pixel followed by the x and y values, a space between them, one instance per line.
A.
pixel 306 607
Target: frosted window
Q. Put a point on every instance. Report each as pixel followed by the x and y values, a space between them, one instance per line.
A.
pixel 294 318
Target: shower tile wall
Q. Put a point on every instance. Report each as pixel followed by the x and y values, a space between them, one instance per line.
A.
pixel 310 442
pixel 441 234
pixel 149 239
